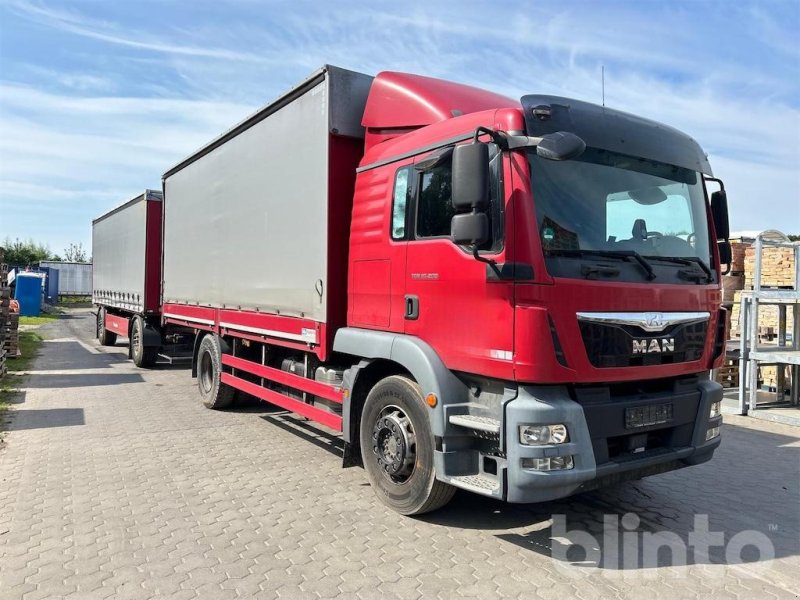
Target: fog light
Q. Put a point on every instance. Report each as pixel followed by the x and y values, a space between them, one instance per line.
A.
pixel 712 433
pixel 716 409
pixel 539 435
pixel 553 463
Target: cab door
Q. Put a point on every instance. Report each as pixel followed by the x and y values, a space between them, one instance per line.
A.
pixel 454 302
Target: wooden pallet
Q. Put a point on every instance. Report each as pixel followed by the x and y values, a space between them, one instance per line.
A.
pixel 728 374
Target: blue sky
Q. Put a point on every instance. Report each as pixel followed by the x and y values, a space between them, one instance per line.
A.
pixel 98 98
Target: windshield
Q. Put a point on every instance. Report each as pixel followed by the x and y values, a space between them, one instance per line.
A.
pixel 604 203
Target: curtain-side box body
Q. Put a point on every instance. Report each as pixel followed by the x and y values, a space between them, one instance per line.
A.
pixel 126 252
pixel 258 219
pixel 74 278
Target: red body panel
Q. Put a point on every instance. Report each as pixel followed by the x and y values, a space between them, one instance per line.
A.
pixel 290 332
pixel 152 264
pixel 376 281
pixel 399 102
pixel 117 324
pixel 535 357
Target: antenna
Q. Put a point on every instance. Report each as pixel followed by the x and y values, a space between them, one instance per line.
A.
pixel 603 82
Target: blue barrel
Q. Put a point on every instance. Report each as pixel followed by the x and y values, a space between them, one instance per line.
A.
pixel 29 294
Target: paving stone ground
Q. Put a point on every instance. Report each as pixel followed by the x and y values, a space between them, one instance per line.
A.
pixel 116 483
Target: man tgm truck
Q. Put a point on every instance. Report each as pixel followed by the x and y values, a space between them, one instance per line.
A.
pixel 519 298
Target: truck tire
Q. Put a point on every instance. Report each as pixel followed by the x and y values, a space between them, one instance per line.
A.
pixel 143 356
pixel 397 448
pixel 213 392
pixel 104 336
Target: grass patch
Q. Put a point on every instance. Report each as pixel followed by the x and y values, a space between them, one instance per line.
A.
pixel 74 300
pixel 29 342
pixel 42 319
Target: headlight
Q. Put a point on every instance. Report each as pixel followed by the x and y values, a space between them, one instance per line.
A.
pixel 712 433
pixel 716 409
pixel 540 435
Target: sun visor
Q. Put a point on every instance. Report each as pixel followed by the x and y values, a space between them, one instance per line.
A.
pixel 613 130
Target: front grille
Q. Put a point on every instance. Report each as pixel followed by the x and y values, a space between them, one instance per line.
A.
pixel 612 345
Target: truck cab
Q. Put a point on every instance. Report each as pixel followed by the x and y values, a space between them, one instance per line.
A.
pixel 557 265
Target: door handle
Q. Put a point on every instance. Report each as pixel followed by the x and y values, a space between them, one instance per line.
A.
pixel 412 307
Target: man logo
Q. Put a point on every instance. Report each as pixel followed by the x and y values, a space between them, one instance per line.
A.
pixel 654 346
pixel 655 321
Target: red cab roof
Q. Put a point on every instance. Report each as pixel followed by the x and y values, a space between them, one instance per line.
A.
pixel 400 100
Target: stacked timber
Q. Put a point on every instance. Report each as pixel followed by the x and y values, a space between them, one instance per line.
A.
pixel 5 302
pixel 777 267
pixel 734 282
pixel 738 251
pixel 731 283
pixel 767 319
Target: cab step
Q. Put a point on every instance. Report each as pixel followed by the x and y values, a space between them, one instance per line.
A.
pixel 480 484
pixel 477 423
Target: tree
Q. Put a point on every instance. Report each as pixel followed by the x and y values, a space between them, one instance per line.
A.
pixel 75 253
pixel 22 253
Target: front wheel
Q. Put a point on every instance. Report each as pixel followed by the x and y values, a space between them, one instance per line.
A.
pixel 397 448
pixel 104 336
pixel 213 392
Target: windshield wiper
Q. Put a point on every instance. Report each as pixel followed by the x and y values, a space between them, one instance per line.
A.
pixel 624 254
pixel 689 261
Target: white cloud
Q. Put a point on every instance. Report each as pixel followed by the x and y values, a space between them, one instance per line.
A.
pixel 74 22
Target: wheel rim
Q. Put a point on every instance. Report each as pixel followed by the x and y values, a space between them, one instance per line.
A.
pixel 136 339
pixel 206 370
pixel 394 444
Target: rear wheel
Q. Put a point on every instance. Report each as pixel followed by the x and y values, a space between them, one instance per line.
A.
pixel 104 336
pixel 213 392
pixel 397 448
pixel 142 356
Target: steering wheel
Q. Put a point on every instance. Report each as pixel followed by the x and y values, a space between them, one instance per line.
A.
pixel 690 238
pixel 654 234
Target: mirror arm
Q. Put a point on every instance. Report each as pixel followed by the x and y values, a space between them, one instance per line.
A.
pixel 497 137
pixel 483 259
pixel 714 179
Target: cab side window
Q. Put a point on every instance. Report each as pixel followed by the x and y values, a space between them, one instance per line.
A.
pixel 435 210
pixel 400 202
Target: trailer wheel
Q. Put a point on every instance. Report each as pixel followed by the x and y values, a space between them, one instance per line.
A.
pixel 104 336
pixel 213 392
pixel 143 357
pixel 397 448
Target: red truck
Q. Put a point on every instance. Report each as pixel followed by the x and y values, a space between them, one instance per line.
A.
pixel 520 298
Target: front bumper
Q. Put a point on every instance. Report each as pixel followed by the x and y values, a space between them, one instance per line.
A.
pixel 597 437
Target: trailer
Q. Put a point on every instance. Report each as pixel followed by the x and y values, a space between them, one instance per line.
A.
pixel 475 292
pixel 126 284
pixel 74 278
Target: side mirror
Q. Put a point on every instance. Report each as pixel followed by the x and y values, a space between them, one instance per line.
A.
pixel 469 229
pixel 725 254
pixel 561 145
pixel 470 190
pixel 719 211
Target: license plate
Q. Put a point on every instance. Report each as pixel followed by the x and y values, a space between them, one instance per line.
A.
pixel 645 416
